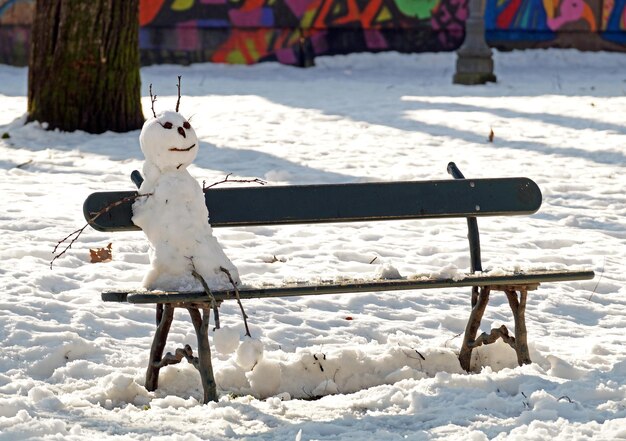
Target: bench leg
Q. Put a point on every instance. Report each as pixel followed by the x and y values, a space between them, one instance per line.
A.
pixel 158 345
pixel 201 325
pixel 479 303
pixel 518 307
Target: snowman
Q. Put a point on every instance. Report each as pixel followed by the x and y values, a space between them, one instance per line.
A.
pixel 173 215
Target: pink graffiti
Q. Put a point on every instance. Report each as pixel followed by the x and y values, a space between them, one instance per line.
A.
pixel 570 10
pixel 246 18
pixel 187 35
pixel 299 7
pixel 374 39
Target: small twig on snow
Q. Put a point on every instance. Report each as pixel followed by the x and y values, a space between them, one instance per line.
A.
pixel 452 338
pixel 74 235
pixel 414 358
pixel 243 313
pixel 23 164
pixel 419 359
pixel 599 278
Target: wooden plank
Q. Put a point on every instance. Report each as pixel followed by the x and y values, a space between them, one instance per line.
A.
pixel 275 205
pixel 525 279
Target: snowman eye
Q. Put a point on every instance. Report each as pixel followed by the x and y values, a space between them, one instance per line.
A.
pixel 167 125
pixel 186 125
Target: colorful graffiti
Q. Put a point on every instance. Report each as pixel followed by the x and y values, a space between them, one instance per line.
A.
pixel 295 31
pixel 584 24
pixel 247 31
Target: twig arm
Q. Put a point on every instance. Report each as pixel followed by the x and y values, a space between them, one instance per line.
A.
pixel 243 312
pixel 74 235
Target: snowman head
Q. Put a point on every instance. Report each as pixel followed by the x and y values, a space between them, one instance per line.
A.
pixel 167 140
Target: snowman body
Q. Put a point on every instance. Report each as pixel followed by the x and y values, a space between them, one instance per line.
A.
pixel 174 216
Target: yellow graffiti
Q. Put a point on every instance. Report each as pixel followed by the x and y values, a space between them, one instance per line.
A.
pixel 182 5
pixel 550 7
pixel 384 15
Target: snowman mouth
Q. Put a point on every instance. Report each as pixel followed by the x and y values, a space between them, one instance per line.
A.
pixel 176 149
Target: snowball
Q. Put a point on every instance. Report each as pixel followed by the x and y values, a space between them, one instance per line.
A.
pixel 450 271
pixel 249 353
pixel 226 340
pixel 265 378
pixel 388 271
pixel 120 388
pixel 562 369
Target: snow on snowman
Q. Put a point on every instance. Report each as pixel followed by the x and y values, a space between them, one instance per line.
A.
pixel 174 216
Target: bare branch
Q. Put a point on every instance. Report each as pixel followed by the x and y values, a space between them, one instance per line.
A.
pixel 178 101
pixel 207 290
pixel 74 235
pixel 243 313
pixel 24 164
pixel 599 279
pixel 452 338
pixel 228 180
pixel 152 99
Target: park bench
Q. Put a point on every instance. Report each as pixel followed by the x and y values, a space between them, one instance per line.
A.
pixel 363 202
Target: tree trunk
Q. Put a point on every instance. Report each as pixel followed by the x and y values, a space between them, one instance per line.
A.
pixel 84 65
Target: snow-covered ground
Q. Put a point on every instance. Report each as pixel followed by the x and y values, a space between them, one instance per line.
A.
pixel 72 367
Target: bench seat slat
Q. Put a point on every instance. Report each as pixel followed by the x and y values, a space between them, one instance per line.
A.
pixel 279 205
pixel 527 278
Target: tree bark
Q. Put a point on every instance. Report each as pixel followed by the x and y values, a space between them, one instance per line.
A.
pixel 84 66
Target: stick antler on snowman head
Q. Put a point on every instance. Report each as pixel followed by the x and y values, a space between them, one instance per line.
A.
pixel 153 98
pixel 178 101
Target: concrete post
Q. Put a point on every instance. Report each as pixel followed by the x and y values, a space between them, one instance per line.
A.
pixel 474 64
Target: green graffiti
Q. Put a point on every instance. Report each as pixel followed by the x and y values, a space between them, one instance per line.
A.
pixel 416 8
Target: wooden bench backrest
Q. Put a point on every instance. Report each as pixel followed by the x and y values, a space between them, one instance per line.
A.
pixel 274 205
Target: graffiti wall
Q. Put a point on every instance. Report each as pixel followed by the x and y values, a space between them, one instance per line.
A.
pixel 247 31
pixel 295 31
